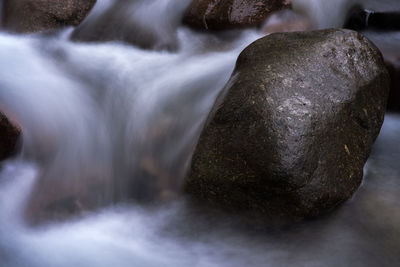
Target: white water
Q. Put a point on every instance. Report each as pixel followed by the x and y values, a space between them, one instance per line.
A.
pixel 332 13
pixel 105 123
pixel 111 115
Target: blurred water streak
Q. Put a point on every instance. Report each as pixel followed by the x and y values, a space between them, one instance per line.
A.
pixel 110 122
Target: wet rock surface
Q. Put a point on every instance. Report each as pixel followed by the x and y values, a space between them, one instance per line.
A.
pixel 231 14
pixel 292 133
pixel 40 15
pixel 9 135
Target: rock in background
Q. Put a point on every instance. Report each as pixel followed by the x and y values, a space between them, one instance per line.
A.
pixel 292 134
pixel 9 134
pixel 230 14
pixel 39 15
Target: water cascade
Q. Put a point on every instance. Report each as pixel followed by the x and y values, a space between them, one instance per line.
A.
pixel 108 131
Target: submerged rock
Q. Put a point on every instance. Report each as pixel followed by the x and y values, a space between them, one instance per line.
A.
pixel 287 21
pixel 9 134
pixel 359 18
pixel 55 199
pixel 292 133
pixel 230 14
pixel 39 15
pixel 142 23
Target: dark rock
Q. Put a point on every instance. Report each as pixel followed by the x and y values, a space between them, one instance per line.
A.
pixel 389 21
pixel 393 65
pixel 291 136
pixel 359 18
pixel 230 14
pixel 9 134
pixel 40 15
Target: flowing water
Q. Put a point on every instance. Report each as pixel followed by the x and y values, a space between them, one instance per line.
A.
pixel 109 128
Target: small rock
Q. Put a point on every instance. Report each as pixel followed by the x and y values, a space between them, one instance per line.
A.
pixel 230 14
pixel 9 135
pixel 39 15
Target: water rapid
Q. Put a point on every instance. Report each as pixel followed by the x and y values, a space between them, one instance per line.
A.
pixel 109 128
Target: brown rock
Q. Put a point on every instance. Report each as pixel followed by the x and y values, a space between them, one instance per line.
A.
pixel 9 134
pixel 40 15
pixel 230 14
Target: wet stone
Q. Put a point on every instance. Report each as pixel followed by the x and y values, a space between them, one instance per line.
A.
pixel 40 15
pixel 289 138
pixel 230 14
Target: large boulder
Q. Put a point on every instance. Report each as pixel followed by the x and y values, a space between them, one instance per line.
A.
pixel 9 134
pixel 294 127
pixel 230 14
pixel 39 15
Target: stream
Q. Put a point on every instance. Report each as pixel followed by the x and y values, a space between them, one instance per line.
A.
pixel 110 127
